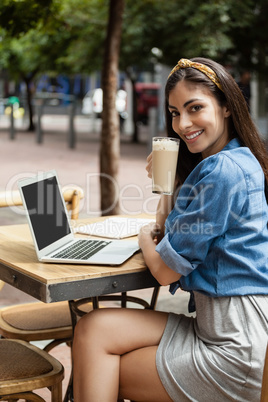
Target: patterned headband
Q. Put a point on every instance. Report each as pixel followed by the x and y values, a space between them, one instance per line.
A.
pixel 184 63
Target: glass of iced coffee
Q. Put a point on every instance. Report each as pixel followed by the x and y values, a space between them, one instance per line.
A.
pixel 165 157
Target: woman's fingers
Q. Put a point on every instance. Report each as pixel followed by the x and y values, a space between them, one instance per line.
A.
pixel 149 165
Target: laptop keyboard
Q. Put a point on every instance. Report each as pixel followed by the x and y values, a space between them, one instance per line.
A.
pixel 81 250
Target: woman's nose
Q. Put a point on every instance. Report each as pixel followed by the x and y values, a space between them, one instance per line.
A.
pixel 184 122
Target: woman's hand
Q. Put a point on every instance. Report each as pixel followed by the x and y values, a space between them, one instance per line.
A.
pixel 147 242
pixel 149 166
pixel 149 232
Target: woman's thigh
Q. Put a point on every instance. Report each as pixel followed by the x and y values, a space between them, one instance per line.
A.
pixel 119 331
pixel 139 380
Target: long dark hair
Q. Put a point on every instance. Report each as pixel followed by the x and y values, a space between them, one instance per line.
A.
pixel 240 122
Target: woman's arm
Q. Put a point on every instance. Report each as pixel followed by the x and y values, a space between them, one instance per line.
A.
pixel 164 207
pixel 162 273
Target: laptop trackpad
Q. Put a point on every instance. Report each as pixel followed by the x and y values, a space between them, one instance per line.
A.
pixel 115 254
pixel 116 251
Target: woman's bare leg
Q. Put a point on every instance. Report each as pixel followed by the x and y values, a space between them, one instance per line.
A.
pixel 101 338
pixel 139 380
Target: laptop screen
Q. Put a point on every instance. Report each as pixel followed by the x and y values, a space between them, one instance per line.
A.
pixel 46 211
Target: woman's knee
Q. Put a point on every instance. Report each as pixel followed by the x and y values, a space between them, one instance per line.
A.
pixel 90 323
pixel 99 328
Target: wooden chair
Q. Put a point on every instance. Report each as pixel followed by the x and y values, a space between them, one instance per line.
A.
pixel 25 368
pixel 71 195
pixel 39 321
pixel 264 389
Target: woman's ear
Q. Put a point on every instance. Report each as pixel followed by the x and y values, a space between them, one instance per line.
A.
pixel 226 111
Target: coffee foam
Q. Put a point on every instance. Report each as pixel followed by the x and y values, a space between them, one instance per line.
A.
pixel 165 145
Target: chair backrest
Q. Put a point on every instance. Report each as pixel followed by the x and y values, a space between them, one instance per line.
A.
pixel 72 196
pixel 264 389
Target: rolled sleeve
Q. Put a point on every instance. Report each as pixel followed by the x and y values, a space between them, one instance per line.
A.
pixel 174 260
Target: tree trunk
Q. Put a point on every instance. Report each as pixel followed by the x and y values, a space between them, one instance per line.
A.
pixel 110 134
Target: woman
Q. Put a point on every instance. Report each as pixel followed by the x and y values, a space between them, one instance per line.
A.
pixel 215 245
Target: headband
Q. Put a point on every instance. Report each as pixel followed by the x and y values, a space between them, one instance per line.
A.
pixel 184 63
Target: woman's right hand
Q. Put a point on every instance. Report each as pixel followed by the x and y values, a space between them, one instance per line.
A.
pixel 149 165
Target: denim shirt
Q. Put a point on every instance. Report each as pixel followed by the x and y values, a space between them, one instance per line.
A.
pixel 217 233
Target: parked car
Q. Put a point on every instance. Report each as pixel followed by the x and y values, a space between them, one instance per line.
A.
pixel 92 102
pixel 147 97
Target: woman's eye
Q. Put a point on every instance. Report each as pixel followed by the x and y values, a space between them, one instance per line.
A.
pixel 196 108
pixel 174 113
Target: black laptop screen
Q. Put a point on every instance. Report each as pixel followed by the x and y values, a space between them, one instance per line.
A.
pixel 46 211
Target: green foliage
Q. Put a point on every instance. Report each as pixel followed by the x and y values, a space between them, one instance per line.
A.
pixel 18 16
pixel 86 21
pixel 183 29
pixel 67 36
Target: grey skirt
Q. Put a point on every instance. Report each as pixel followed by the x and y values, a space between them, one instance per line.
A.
pixel 218 355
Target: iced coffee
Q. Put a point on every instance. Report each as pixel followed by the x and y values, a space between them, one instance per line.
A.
pixel 165 156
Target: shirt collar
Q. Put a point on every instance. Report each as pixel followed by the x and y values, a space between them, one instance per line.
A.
pixel 234 143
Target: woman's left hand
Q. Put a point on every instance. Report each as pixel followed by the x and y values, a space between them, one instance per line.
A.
pixel 150 231
pixel 147 242
pixel 149 165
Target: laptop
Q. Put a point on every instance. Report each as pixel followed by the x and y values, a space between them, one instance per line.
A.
pixel 52 234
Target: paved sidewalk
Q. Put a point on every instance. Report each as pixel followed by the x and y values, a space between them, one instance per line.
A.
pixel 23 156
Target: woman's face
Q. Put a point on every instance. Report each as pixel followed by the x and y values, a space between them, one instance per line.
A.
pixel 198 118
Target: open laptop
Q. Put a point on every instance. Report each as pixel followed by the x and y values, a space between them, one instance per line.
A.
pixel 51 231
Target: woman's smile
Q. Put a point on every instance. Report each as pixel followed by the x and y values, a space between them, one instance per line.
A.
pixel 191 136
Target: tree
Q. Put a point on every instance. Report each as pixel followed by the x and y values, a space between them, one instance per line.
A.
pixel 110 135
pixel 49 37
pixel 19 17
pixel 30 44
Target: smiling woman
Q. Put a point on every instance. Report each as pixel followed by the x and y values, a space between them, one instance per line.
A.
pixel 214 247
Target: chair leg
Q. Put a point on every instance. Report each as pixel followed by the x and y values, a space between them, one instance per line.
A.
pixel 56 392
pixel 154 297
pixel 69 392
pixel 9 400
pixel 95 302
pixel 124 299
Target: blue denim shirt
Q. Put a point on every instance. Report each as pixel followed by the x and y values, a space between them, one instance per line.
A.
pixel 217 233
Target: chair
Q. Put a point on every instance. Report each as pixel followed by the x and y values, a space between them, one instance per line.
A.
pixel 39 321
pixel 264 389
pixel 71 195
pixel 25 368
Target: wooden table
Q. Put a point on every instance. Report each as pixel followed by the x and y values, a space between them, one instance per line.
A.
pixel 49 283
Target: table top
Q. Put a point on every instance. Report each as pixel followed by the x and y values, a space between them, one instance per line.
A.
pixel 48 282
